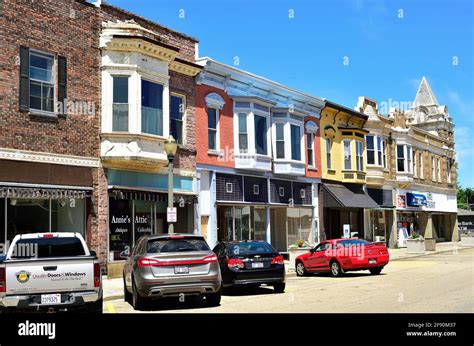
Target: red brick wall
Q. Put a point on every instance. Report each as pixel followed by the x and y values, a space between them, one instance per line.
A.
pixel 313 173
pixel 47 27
pixel 226 127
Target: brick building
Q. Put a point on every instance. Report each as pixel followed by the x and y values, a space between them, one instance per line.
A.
pixel 49 119
pixel 258 161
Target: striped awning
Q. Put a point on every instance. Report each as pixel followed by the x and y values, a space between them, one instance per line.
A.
pixel 154 196
pixel 41 193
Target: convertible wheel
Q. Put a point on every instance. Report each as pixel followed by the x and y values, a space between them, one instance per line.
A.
pixel 336 269
pixel 300 269
pixel 376 270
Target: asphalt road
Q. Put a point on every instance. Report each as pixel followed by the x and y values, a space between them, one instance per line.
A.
pixel 442 282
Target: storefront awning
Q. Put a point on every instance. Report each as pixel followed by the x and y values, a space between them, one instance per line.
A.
pixel 337 195
pixel 150 195
pixel 42 192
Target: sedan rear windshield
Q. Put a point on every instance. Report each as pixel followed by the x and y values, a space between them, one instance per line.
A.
pixel 48 247
pixel 250 248
pixel 353 242
pixel 177 245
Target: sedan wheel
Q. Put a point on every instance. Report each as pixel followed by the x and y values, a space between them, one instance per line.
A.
pixel 300 269
pixel 336 268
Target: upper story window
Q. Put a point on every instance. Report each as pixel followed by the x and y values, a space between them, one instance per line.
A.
pixel 310 148
pixel 448 170
pixel 311 129
pixel 295 142
pixel 328 153
pixel 120 103
pixel 260 126
pixel 212 115
pixel 433 169
pixel 347 154
pixel 41 82
pixel 384 153
pixel 375 150
pixel 420 163
pixel 177 109
pixel 214 103
pixel 152 108
pixel 439 170
pixel 360 155
pixel 280 140
pixel 243 133
pixel 404 158
pixel 415 165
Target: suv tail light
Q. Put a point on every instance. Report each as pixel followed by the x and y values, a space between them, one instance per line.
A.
pixel 278 260
pixel 96 275
pixel 235 263
pixel 3 280
pixel 210 259
pixel 147 262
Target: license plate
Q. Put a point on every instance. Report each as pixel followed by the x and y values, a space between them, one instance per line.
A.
pixel 49 299
pixel 181 270
pixel 372 261
pixel 257 265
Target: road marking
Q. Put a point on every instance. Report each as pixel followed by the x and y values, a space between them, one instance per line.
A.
pixel 110 308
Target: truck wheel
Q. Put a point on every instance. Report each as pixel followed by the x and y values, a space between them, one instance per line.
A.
pixel 279 288
pixel 214 299
pixel 137 301
pixel 96 307
pixel 375 271
pixel 127 296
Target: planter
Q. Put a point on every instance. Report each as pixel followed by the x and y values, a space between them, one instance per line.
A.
pixel 430 244
pixel 415 245
pixel 295 252
pixel 467 240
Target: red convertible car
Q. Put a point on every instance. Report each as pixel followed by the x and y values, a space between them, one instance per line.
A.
pixel 338 256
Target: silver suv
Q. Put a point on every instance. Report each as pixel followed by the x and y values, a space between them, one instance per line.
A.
pixel 171 265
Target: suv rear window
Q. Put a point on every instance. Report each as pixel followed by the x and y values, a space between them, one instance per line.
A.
pixel 250 248
pixel 177 245
pixel 48 247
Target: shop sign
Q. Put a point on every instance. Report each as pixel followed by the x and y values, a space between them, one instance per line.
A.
pixel 416 199
pixel 430 203
pixel 401 201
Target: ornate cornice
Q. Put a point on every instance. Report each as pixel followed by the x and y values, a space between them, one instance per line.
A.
pixel 30 156
pixel 185 67
pixel 143 46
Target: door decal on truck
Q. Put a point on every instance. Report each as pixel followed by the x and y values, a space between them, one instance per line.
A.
pixel 23 276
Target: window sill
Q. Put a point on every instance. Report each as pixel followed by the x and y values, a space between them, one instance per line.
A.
pixel 38 113
pixel 331 171
pixel 213 152
pixel 311 168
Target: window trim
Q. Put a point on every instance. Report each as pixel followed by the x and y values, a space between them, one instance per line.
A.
pixel 113 76
pixel 54 67
pixel 227 189
pixel 256 189
pixel 183 121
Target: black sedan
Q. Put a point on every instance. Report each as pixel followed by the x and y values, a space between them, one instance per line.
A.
pixel 250 263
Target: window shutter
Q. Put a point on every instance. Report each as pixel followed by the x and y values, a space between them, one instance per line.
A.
pixel 24 78
pixel 62 82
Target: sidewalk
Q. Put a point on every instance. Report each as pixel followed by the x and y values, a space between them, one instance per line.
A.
pixel 113 288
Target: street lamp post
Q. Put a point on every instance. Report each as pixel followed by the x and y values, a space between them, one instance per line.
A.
pixel 170 150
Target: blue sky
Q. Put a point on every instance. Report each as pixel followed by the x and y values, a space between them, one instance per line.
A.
pixel 390 45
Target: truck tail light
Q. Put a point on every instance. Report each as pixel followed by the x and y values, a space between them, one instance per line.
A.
pixel 3 280
pixel 48 235
pixel 278 260
pixel 96 275
pixel 235 263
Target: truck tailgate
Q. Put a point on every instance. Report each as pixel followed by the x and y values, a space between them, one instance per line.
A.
pixel 43 276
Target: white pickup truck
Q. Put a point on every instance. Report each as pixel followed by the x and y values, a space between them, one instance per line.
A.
pixel 50 271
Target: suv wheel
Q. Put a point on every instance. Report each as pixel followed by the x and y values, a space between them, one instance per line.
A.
pixel 214 299
pixel 96 307
pixel 137 301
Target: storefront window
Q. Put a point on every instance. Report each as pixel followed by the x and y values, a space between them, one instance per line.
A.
pixel 2 224
pixel 290 225
pixel 259 224
pixel 143 218
pixel 120 226
pixel 68 215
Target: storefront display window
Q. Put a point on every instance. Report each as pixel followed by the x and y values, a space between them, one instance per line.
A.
pixel 120 226
pixel 241 223
pixel 143 218
pixel 289 225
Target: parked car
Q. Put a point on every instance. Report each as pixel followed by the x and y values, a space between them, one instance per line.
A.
pixel 338 256
pixel 50 271
pixel 171 265
pixel 250 263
